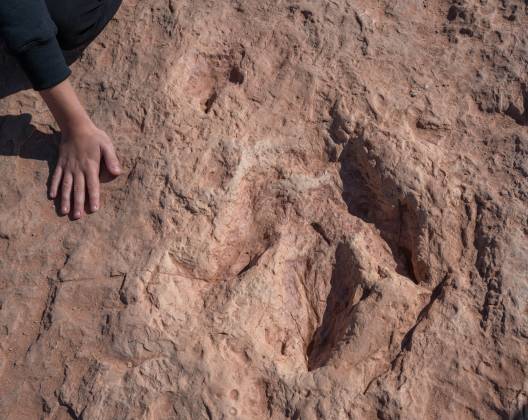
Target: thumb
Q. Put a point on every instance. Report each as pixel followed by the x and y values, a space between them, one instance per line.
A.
pixel 110 159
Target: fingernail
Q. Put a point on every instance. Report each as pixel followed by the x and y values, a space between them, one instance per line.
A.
pixel 95 208
pixel 77 214
pixel 65 210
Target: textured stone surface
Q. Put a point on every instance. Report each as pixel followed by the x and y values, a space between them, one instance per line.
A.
pixel 324 216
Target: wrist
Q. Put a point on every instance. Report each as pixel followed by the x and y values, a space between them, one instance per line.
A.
pixel 68 111
pixel 77 125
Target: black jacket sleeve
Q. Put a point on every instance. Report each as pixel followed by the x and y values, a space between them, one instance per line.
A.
pixel 30 34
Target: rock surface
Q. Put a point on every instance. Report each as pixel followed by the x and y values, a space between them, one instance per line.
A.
pixel 324 216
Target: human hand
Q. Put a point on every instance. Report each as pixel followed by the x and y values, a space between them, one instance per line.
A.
pixel 77 171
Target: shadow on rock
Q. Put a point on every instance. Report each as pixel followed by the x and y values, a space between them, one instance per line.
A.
pixel 522 414
pixel 339 314
pixel 18 137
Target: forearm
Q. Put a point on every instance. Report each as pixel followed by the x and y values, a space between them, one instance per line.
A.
pixel 66 108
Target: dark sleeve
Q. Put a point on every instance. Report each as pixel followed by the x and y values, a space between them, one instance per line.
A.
pixel 30 35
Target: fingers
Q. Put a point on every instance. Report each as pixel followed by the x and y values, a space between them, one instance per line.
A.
pixel 110 159
pixel 67 183
pixel 80 184
pixel 79 195
pixel 55 181
pixel 92 183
